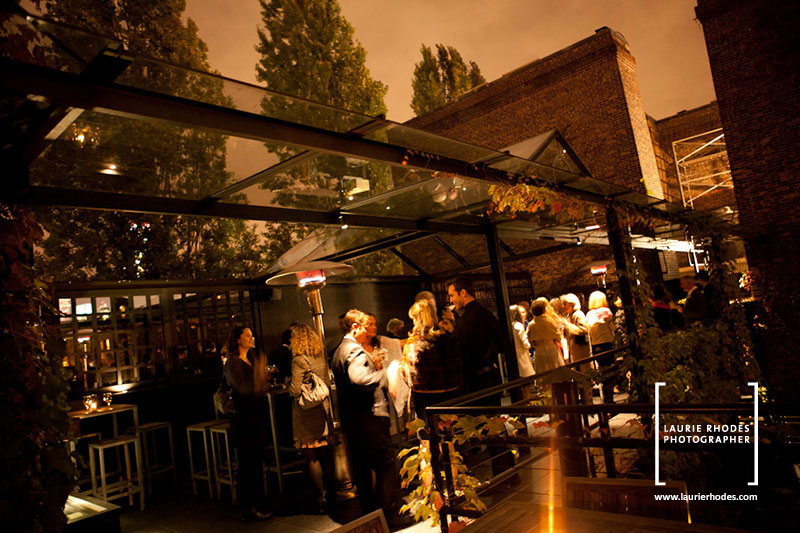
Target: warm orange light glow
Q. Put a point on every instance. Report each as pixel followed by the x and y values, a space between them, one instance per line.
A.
pixel 599 270
pixel 309 277
pixel 551 496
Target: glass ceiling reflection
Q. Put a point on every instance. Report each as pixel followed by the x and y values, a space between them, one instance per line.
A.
pixel 111 153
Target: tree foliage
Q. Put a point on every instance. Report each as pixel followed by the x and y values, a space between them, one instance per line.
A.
pixel 441 78
pixel 149 158
pixel 308 51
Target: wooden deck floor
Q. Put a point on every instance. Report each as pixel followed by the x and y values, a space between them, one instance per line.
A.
pixel 521 517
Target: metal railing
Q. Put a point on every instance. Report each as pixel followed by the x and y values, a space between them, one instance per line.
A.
pixel 564 441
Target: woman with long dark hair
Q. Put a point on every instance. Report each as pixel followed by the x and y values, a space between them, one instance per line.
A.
pixel 247 375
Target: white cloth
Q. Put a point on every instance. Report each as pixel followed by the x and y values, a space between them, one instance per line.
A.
pixel 601 325
pixel 393 347
pixel 523 347
pixel 399 391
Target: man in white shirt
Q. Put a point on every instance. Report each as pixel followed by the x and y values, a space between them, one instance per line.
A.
pixel 364 411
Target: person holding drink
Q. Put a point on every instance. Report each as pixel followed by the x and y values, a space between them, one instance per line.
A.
pixel 364 409
pixel 246 373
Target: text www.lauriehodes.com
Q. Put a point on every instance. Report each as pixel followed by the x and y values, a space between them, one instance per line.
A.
pixel 706 497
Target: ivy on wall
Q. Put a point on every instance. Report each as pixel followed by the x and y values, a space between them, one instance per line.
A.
pixel 37 472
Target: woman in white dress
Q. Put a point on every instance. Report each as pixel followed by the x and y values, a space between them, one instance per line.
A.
pixel 522 346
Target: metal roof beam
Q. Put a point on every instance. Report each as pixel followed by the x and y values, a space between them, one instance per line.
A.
pixel 450 250
pixel 135 203
pixel 283 166
pixel 409 262
pixel 375 246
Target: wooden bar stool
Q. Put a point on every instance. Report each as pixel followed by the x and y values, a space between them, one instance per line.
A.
pixel 224 460
pixel 125 487
pixel 150 447
pixel 201 428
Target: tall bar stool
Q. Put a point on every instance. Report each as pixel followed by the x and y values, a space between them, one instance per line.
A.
pixel 78 455
pixel 201 429
pixel 125 487
pixel 223 458
pixel 150 447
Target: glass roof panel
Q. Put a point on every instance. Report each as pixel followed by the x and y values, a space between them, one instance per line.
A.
pixel 35 40
pixel 428 198
pixel 330 182
pixel 422 141
pixel 213 89
pixel 110 153
pixel 555 155
pixel 596 186
pixel 324 242
pixel 64 47
pixel 528 148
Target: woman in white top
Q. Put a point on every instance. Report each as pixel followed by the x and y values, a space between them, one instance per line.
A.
pixel 601 331
pixel 522 346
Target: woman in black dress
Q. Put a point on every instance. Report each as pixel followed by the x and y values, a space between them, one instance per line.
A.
pixel 246 374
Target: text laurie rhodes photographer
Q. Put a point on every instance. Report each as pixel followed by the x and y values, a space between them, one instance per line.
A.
pixel 706 433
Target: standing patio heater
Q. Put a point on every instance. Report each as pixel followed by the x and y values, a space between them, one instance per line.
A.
pixel 310 278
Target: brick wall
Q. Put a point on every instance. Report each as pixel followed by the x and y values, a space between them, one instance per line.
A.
pixel 587 91
pixel 753 51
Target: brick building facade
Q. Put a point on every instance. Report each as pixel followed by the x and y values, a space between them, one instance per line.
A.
pixel 753 50
pixel 589 92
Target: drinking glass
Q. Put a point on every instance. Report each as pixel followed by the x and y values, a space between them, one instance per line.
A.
pixel 90 401
pixel 107 398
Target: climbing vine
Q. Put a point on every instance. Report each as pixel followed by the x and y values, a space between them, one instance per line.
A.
pixel 37 472
pixel 426 499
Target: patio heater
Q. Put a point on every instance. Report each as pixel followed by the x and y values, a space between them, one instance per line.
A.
pixel 310 277
pixel 599 273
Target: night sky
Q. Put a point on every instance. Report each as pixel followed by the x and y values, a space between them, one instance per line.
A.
pixel 500 35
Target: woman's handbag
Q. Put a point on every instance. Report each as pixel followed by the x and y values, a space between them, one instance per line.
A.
pixel 223 398
pixel 313 391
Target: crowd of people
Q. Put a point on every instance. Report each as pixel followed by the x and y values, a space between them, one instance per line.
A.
pixel 447 352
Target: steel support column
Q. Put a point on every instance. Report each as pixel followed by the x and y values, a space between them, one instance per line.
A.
pixel 620 241
pixel 501 297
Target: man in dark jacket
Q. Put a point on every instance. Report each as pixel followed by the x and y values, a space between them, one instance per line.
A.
pixel 478 337
pixel 694 310
pixel 479 341
pixel 364 412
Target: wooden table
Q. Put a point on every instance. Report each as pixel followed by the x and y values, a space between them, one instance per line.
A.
pixel 109 410
pixel 113 410
pixel 527 517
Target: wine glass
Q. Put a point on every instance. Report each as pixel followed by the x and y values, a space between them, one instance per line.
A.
pixel 90 401
pixel 272 370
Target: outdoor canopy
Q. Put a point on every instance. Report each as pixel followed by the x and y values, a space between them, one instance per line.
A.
pixel 372 184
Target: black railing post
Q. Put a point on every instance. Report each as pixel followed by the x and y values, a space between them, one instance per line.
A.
pixel 501 298
pixel 620 241
pixel 436 465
